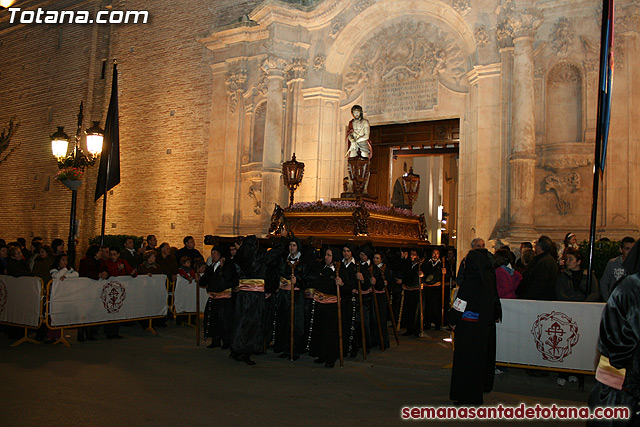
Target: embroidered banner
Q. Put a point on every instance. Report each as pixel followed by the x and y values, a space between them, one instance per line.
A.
pixel 81 300
pixel 20 300
pixel 549 333
pixel 184 296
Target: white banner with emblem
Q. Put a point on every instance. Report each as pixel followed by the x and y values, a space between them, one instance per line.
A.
pixel 553 334
pixel 184 296
pixel 20 300
pixel 81 300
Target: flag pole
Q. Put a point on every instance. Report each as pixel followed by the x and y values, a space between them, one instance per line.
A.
pixel 604 98
pixel 108 162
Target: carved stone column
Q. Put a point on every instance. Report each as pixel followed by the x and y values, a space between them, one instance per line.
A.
pixel 520 25
pixel 295 77
pixel 272 188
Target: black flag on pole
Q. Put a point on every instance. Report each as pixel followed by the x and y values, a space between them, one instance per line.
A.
pixel 109 172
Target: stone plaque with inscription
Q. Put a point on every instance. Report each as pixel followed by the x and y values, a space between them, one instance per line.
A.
pixel 398 97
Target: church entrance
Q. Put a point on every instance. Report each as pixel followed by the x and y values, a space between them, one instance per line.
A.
pixel 431 150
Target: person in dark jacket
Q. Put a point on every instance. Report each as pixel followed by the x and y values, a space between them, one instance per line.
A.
pixel 618 372
pixel 16 264
pixel 539 278
pixel 571 284
pixel 93 267
pixel 474 313
pixel 220 279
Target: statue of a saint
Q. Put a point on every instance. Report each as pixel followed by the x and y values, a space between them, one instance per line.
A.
pixel 358 134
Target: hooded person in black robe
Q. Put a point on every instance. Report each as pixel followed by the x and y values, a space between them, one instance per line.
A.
pixel 349 300
pixel 293 271
pixel 380 274
pixel 474 313
pixel 248 330
pixel 220 279
pixel 324 326
pixel 618 372
pixel 410 298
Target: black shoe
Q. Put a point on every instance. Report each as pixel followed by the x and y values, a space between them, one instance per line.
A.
pixel 353 355
pixel 91 338
pixel 81 338
pixel 284 355
pixel 330 364
pixel 246 359
pixel 235 356
pixel 416 334
pixel 296 356
pixel 48 341
pixel 110 337
pixel 118 337
pixel 213 345
pixel 319 360
pixel 225 346
pixel 408 333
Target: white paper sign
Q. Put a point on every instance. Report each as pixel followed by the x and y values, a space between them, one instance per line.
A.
pixel 75 301
pixel 20 300
pixel 549 333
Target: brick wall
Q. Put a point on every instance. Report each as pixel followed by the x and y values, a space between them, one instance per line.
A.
pixel 165 100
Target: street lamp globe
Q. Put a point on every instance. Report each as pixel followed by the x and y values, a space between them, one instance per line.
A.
pixel 59 143
pixel 95 136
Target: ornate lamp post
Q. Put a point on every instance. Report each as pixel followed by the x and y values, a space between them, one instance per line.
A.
pixel 73 166
pixel 292 172
pixel 411 185
pixel 359 173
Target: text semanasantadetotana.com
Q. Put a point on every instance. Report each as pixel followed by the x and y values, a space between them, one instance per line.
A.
pixel 522 412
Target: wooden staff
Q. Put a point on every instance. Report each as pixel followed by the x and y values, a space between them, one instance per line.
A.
pixel 337 266
pixel 197 312
pixel 293 269
pixel 421 309
pixel 444 274
pixel 400 314
pixel 364 337
pixel 393 317
pixel 375 305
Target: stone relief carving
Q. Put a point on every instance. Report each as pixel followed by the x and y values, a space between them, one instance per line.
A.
pixel 481 35
pixel 516 22
pixel 296 68
pixel 361 5
pixel 336 26
pixel 274 66
pixel 235 81
pixel 461 6
pixel 563 184
pixel 627 18
pixel 402 52
pixel 564 73
pixel 563 34
pixel 538 72
pixel 255 193
pixel 318 62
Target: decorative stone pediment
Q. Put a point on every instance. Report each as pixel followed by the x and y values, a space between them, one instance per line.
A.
pixel 405 58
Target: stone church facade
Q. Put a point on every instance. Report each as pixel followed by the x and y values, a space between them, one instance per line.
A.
pixel 214 96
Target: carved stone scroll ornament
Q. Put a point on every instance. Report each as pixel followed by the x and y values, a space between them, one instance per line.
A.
pixel 235 82
pixel 318 62
pixel 296 68
pixel 255 192
pixel 563 184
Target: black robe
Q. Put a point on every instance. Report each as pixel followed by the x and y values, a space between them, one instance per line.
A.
pixel 618 341
pixel 324 329
pixel 248 329
pixel 282 310
pixel 474 354
pixel 433 294
pixel 349 306
pixel 383 309
pixel 218 313
pixel 410 307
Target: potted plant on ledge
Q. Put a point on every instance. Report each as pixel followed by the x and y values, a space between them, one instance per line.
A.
pixel 70 177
